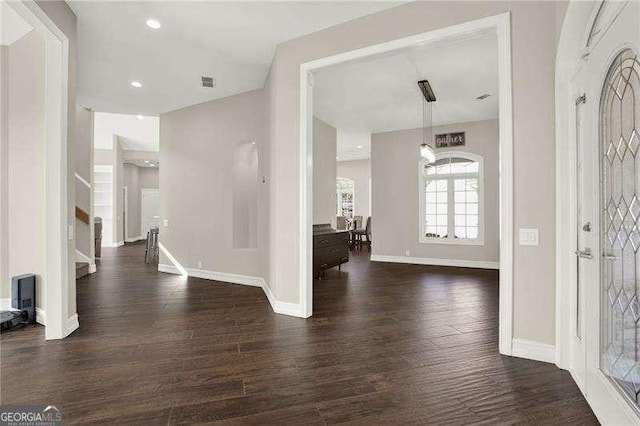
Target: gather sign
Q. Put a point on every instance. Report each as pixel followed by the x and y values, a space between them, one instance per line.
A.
pixel 446 140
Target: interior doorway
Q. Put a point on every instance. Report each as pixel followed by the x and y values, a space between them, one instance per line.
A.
pixel 500 26
pixel 57 277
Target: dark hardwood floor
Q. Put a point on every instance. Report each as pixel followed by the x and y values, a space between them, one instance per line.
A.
pixel 387 344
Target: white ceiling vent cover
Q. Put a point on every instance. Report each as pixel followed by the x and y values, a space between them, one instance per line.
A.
pixel 208 82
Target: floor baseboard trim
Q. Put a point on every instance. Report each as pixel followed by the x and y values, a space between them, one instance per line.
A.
pixel 81 257
pixel 536 351
pixel 41 316
pixel 133 239
pixel 436 262
pixel 71 325
pixel 278 306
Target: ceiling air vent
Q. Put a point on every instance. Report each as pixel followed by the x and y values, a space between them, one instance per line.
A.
pixel 208 82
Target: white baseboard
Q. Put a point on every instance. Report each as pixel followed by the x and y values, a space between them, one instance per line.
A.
pixel 81 257
pixel 71 325
pixel 41 316
pixel 112 245
pixel 279 307
pixel 134 239
pixel 436 262
pixel 536 351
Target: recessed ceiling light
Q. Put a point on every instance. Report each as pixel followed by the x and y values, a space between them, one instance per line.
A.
pixel 359 146
pixel 146 161
pixel 483 97
pixel 152 23
pixel 136 84
pixel 139 117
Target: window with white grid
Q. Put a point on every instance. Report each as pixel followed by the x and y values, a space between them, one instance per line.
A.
pixel 451 199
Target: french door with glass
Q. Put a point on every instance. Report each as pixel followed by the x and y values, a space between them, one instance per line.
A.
pixel 605 346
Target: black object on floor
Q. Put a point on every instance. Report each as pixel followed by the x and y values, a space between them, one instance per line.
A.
pixel 10 319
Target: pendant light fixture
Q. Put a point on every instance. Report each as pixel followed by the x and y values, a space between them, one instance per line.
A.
pixel 426 150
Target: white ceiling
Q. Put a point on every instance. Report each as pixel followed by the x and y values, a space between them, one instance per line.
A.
pixel 12 26
pixel 381 94
pixel 231 41
pixel 134 134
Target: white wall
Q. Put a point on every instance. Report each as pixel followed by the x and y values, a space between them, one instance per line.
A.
pixel 360 172
pixel 324 173
pixel 395 183
pixel 533 37
pixel 196 161
pixel 26 152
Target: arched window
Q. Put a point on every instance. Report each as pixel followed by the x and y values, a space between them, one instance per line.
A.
pixel 620 223
pixel 451 199
pixel 345 196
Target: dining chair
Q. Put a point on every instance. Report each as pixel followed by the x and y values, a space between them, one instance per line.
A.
pixel 363 236
pixel 151 249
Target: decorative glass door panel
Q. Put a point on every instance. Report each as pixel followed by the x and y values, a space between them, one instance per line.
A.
pixel 620 224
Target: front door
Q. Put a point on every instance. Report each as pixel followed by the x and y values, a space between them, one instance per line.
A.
pixel 606 336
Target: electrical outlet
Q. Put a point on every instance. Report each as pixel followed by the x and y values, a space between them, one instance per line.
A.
pixel 165 223
pixel 407 253
pixel 529 237
pixel 199 264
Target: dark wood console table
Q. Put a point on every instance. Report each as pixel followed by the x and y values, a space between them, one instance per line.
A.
pixel 330 248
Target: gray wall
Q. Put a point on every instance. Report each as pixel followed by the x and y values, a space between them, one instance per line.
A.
pixel 196 152
pixel 149 177
pixel 136 178
pixel 118 185
pixel 324 173
pixel 131 181
pixel 533 36
pixel 360 172
pixel 26 155
pixel 83 154
pixel 395 180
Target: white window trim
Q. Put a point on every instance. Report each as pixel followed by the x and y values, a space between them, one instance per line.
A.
pixel 422 202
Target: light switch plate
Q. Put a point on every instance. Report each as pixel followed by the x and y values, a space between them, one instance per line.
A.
pixel 165 223
pixel 71 232
pixel 529 237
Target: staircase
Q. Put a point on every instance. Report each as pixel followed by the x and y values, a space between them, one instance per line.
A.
pixel 82 269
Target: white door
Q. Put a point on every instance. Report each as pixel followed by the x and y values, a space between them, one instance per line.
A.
pixel 605 346
pixel 150 209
